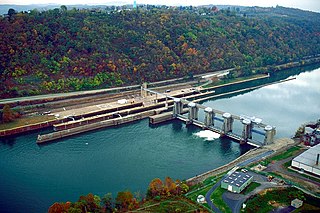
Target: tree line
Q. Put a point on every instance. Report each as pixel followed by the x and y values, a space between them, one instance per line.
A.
pixel 125 201
pixel 63 50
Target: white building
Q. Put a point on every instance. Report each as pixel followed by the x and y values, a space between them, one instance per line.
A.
pixel 308 161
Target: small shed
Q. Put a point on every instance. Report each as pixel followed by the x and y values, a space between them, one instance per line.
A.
pixel 236 181
pixel 296 203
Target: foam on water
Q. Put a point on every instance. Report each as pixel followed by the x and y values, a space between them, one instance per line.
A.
pixel 208 135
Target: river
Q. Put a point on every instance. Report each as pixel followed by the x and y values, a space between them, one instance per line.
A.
pixel 33 177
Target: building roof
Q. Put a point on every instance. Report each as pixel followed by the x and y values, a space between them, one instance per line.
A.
pixel 237 178
pixel 309 157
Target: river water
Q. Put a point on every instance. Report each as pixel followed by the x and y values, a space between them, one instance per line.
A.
pixel 33 177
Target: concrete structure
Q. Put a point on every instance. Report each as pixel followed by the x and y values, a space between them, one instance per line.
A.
pixel 296 203
pixel 144 92
pixel 177 107
pixel 209 117
pixel 247 129
pixel 236 181
pixel 193 112
pixel 308 161
pixel 227 122
pixel 270 133
pixel 249 123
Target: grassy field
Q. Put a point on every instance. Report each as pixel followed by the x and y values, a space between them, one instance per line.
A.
pixel 203 191
pixel 289 153
pixel 25 121
pixel 174 204
pixel 217 200
pixel 272 199
pixel 250 188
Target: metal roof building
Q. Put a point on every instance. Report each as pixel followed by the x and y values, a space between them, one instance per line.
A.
pixel 236 181
pixel 308 161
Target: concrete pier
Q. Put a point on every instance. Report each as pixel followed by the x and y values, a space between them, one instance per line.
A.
pixel 247 129
pixel 193 112
pixel 177 107
pixel 269 136
pixel 227 122
pixel 209 115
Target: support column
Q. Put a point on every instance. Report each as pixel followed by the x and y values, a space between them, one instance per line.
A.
pixel 208 119
pixel 270 133
pixel 227 122
pixel 177 107
pixel 247 129
pixel 144 92
pixel 193 112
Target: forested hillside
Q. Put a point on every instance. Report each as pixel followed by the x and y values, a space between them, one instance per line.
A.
pixel 67 50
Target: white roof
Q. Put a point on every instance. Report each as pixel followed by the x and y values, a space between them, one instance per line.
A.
pixel 309 157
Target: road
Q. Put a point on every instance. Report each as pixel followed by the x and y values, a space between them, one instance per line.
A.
pixel 208 197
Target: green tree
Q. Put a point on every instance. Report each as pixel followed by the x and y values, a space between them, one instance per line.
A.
pixel 63 8
pixel 108 202
pixel 11 12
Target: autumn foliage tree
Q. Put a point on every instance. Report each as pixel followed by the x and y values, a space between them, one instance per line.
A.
pixel 125 201
pixel 167 188
pixel 68 50
pixel 8 114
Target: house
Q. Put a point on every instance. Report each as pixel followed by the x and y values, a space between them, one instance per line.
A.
pixel 311 138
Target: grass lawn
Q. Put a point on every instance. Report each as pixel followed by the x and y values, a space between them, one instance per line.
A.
pixel 174 204
pixel 289 153
pixel 217 200
pixel 272 199
pixel 250 188
pixel 203 191
pixel 26 120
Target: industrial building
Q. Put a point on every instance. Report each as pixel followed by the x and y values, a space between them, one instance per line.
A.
pixel 308 161
pixel 236 181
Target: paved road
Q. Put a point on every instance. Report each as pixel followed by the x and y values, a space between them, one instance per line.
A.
pixel 208 197
pixel 278 166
